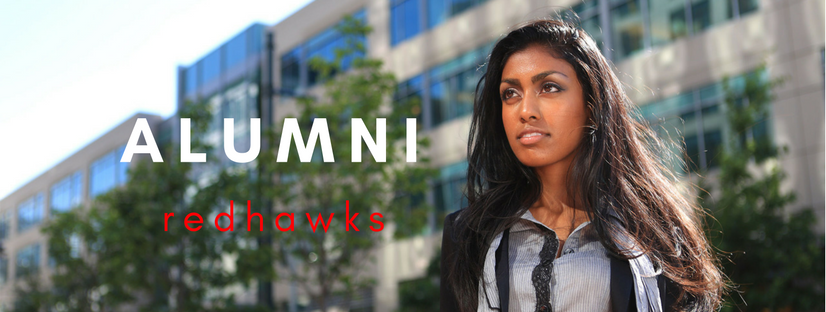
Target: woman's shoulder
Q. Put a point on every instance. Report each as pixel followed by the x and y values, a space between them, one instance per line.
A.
pixel 451 218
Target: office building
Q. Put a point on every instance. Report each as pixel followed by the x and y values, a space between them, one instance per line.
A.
pixel 227 79
pixel 671 55
pixel 71 184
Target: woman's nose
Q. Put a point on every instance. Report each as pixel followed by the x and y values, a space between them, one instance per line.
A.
pixel 529 109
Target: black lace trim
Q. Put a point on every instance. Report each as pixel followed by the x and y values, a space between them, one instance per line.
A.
pixel 541 275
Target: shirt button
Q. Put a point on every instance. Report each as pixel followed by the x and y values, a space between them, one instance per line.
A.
pixel 568 251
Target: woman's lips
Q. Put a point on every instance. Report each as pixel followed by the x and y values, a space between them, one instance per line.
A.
pixel 532 137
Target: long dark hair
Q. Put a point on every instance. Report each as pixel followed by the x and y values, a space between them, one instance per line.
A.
pixel 618 168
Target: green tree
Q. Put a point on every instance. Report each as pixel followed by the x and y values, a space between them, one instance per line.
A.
pixel 422 294
pixel 131 257
pixel 335 262
pixel 774 258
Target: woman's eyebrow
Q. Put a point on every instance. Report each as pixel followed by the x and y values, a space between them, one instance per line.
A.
pixel 535 78
pixel 542 75
pixel 514 82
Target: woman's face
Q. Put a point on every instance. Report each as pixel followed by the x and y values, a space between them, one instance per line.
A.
pixel 543 110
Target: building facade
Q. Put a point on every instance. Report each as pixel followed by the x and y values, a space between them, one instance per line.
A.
pixel 228 79
pixel 672 56
pixel 71 184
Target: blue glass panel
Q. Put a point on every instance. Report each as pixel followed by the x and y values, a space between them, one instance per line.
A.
pixel 412 18
pixel 627 28
pixel 714 145
pixel 28 260
pixel 396 24
pixel 711 92
pixel 466 87
pixel 211 66
pixel 409 91
pixel 256 41
pixel 122 167
pixel 291 70
pixel 30 213
pixel 404 20
pixel 454 83
pixel 325 44
pixel 747 6
pixel 60 195
pixel 4 270
pixel 436 12
pixel 449 190
pixel 439 99
pixel 77 189
pixel 236 49
pixel 191 78
pixel 459 6
pixel 5 224
pixel 102 175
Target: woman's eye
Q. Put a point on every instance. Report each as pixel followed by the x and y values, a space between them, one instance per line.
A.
pixel 550 87
pixel 507 94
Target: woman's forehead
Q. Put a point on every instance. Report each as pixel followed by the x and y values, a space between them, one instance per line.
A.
pixel 535 60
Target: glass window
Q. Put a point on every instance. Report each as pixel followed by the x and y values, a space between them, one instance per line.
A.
pixel 668 21
pixel 449 190
pixel 712 92
pixel 405 20
pixel 626 28
pixel 191 79
pixel 692 150
pixel 713 147
pixel 290 70
pixel 5 224
pixel 324 46
pixel 107 172
pixel 211 66
pixel 236 49
pixel 676 118
pixel 28 260
pixel 74 245
pixel 708 13
pixel 412 92
pixel 453 85
pixel 102 175
pixel 67 193
pixel 747 6
pixel 588 12
pixel 465 90
pixel 439 101
pixel 437 12
pixel 122 167
pixel 257 34
pixel 459 6
pixel 30 212
pixel 4 270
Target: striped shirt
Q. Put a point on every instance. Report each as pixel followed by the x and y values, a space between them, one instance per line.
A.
pixel 579 280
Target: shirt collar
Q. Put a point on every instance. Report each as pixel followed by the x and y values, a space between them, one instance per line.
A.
pixel 528 216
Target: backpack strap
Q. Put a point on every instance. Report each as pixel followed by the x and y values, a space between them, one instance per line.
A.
pixel 503 272
pixel 622 295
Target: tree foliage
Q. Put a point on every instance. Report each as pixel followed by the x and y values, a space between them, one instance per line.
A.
pixel 128 258
pixel 335 263
pixel 774 258
pixel 422 294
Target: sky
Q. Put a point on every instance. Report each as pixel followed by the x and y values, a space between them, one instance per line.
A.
pixel 70 71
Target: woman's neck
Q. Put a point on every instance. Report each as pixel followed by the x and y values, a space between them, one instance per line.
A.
pixel 555 208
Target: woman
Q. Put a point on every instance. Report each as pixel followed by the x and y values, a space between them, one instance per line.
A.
pixel 566 189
